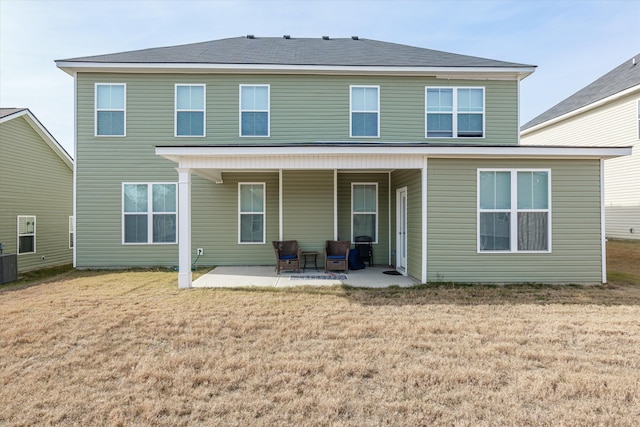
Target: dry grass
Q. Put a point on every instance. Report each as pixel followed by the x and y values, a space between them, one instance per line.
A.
pixel 129 348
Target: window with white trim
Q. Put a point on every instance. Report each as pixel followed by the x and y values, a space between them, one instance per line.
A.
pixel 72 231
pixel 149 213
pixel 514 210
pixel 365 111
pixel 251 212
pixel 639 119
pixel 454 112
pixel 110 100
pixel 26 234
pixel 364 210
pixel 190 110
pixel 254 110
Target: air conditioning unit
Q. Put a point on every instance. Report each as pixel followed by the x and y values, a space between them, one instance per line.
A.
pixel 8 268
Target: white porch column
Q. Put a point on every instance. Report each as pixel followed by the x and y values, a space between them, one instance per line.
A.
pixel 424 220
pixel 184 228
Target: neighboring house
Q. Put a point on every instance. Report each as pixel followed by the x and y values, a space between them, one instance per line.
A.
pixel 604 113
pixel 36 193
pixel 229 144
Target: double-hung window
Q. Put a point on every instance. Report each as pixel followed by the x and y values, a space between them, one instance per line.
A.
pixel 454 112
pixel 26 234
pixel 365 111
pixel 254 110
pixel 190 110
pixel 251 212
pixel 364 210
pixel 72 231
pixel 514 210
pixel 149 213
pixel 110 118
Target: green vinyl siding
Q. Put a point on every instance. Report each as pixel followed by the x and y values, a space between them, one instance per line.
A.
pixel 412 179
pixel 307 208
pixel 303 108
pixel 380 249
pixel 452 230
pixel 35 182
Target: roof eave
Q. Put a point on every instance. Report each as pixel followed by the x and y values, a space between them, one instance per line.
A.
pixel 72 67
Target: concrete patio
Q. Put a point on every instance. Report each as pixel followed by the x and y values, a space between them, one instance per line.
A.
pixel 265 276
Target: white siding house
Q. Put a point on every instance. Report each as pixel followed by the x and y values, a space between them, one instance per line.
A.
pixel 604 113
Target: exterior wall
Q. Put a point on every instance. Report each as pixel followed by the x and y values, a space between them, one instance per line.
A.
pixel 307 209
pixel 412 179
pixel 576 255
pixel 613 124
pixel 304 108
pixel 35 181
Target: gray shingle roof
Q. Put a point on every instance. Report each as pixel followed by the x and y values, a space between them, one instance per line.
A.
pixel 298 51
pixel 623 77
pixel 4 112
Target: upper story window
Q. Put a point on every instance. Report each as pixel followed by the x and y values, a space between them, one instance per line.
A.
pixel 26 234
pixel 365 111
pixel 149 213
pixel 110 119
pixel 514 210
pixel 254 110
pixel 454 112
pixel 190 110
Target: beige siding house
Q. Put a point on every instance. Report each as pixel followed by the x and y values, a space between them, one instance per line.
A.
pixel 228 145
pixel 605 113
pixel 36 193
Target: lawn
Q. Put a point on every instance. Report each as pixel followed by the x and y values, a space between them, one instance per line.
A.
pixel 129 348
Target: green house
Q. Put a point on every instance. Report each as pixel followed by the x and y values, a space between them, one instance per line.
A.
pixel 230 144
pixel 36 193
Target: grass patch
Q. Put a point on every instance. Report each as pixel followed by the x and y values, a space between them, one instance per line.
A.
pixel 130 348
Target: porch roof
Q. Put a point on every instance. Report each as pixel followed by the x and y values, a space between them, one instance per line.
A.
pixel 209 161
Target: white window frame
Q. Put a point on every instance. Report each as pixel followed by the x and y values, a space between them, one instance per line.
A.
pixel 96 110
pixel 377 212
pixel 514 210
pixel 638 110
pixel 455 112
pixel 268 110
pixel 190 110
pixel 34 223
pixel 72 231
pixel 263 213
pixel 149 213
pixel 351 110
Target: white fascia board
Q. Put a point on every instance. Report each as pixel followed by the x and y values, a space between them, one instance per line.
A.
pixel 446 72
pixel 581 110
pixel 176 152
pixel 43 133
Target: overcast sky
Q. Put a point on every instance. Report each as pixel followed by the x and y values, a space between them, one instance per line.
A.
pixel 571 42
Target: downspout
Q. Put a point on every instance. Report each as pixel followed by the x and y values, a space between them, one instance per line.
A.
pixel 75 167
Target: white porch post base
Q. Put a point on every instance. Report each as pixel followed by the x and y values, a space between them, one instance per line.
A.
pixel 184 228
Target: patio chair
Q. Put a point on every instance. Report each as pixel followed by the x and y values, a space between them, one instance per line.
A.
pixel 364 246
pixel 288 255
pixel 336 255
